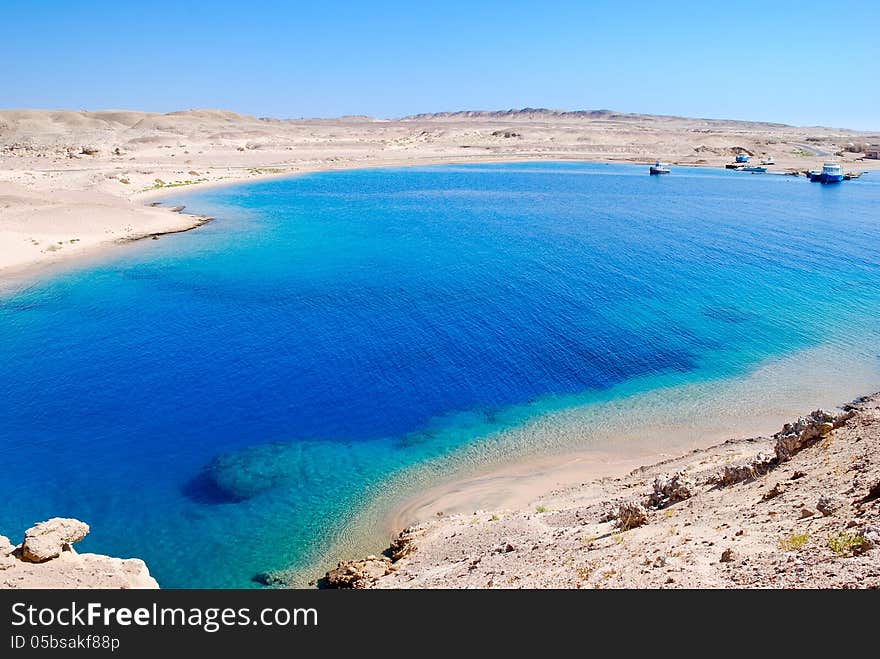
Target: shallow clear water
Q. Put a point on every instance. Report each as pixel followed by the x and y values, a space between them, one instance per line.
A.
pixel 219 402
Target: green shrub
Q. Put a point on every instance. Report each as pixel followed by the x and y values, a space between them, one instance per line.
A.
pixel 794 541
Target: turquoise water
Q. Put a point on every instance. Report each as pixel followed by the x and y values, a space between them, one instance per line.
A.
pixel 220 402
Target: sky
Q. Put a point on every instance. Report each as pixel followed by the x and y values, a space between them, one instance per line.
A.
pixel 799 62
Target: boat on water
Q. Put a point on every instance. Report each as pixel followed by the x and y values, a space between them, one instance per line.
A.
pixel 659 168
pixel 754 170
pixel 831 173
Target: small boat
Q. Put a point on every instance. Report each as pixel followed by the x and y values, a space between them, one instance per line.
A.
pixel 849 176
pixel 659 168
pixel 768 161
pixel 742 157
pixel 754 170
pixel 831 173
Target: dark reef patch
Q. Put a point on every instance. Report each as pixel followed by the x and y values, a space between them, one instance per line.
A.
pixel 729 315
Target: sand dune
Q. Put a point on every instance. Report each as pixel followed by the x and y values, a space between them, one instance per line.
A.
pixel 75 182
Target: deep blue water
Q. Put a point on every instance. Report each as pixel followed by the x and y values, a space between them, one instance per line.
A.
pixel 216 402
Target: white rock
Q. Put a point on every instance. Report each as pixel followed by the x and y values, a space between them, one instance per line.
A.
pixel 46 540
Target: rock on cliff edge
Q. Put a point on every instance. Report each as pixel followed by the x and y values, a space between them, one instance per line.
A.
pixel 46 559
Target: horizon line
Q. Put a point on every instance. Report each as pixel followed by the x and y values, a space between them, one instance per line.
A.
pixel 439 113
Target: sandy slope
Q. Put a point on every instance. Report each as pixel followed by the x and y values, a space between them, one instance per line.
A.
pixel 73 182
pixel 810 521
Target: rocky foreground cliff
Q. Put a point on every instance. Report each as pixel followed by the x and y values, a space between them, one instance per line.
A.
pixel 46 559
pixel 800 509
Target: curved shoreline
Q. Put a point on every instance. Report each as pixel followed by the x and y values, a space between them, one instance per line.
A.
pixel 505 473
pixel 151 199
pixel 798 509
pixel 68 207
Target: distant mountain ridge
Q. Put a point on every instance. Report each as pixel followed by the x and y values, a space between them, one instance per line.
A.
pixel 522 112
pixel 546 114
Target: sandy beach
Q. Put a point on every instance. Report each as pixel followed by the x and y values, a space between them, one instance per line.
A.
pixel 74 183
pixel 798 509
pixel 630 442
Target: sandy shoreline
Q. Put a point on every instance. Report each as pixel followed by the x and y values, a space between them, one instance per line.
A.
pixel 797 508
pixel 73 185
pixel 595 442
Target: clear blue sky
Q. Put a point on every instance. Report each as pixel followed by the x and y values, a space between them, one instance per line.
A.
pixel 801 62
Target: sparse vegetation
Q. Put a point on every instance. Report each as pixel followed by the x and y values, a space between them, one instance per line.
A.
pixel 494 518
pixel 801 153
pixel 846 544
pixel 542 509
pixel 793 541
pixel 585 572
pixel 160 184
pixel 631 514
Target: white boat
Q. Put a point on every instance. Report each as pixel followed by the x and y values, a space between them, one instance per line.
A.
pixel 768 161
pixel 659 168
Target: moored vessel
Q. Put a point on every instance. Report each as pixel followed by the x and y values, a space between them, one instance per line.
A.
pixel 659 168
pixel 831 172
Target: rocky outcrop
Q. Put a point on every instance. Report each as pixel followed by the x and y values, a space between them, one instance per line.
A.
pixel 744 471
pixel 671 489
pixel 793 438
pixel 46 540
pixel 403 544
pixel 6 548
pixel 827 505
pixel 358 574
pixel 777 490
pixel 364 573
pixel 46 559
pixel 871 535
pixel 807 430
